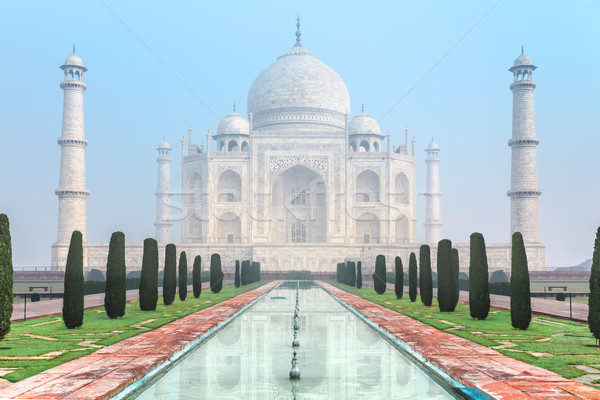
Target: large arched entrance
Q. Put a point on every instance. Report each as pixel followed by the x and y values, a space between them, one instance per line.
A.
pixel 298 207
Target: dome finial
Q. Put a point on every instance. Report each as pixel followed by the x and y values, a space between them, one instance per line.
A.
pixel 234 106
pixel 298 33
pixel 73 48
pixel 362 107
pixel 522 52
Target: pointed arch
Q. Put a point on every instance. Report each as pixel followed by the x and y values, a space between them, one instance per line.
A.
pixel 367 228
pixel 367 187
pixel 402 229
pixel 229 187
pixel 402 191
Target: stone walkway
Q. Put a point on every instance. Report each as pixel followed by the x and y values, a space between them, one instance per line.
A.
pixel 470 364
pixel 46 308
pixel 550 307
pixel 111 369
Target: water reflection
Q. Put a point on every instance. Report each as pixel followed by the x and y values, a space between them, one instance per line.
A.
pixel 340 357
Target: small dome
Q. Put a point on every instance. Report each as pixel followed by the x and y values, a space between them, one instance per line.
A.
pixel 73 61
pixel 164 145
pixel 433 146
pixel 363 124
pixel 522 61
pixel 234 123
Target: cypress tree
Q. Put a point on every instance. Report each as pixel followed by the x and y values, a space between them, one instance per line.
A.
pixel 412 277
pixel 6 277
pixel 426 281
pixel 344 270
pixel 182 276
pixel 116 277
pixel 445 278
pixel 72 309
pixel 258 277
pixel 237 274
pixel 379 278
pixel 520 292
pixel 399 281
pixel 197 276
pixel 245 272
pixel 479 287
pixel 359 275
pixel 455 271
pixel 216 274
pixel 351 273
pixel 170 276
pixel 594 299
pixel 149 279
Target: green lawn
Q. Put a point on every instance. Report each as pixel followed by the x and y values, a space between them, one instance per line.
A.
pixel 48 338
pixel 554 344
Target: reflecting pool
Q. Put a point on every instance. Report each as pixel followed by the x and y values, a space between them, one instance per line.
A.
pixel 340 357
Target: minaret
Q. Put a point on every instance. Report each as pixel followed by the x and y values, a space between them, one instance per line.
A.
pixel 523 191
pixel 433 221
pixel 71 190
pixel 163 222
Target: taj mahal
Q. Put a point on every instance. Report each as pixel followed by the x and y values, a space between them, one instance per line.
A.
pixel 299 183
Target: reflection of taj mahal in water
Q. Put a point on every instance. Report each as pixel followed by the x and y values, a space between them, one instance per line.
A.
pixel 299 184
pixel 339 355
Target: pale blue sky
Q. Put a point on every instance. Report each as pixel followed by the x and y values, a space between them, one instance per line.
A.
pixel 379 49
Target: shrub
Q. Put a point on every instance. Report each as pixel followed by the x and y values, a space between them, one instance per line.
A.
pixel 237 274
pixel 560 296
pixel 479 289
pixel 72 310
pixel 455 273
pixel 182 276
pixel 412 277
pixel 258 277
pixel 95 275
pixel 216 274
pixel 379 281
pixel 6 276
pixel 594 299
pixel 359 275
pixel 520 292
pixel 344 271
pixel 255 271
pixel 498 276
pixel 425 278
pixel 304 274
pixel 399 278
pixel 170 276
pixel 149 278
pixel 35 297
pixel 351 275
pixel 197 276
pixel 114 296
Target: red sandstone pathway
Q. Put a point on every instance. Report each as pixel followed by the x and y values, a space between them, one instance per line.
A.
pixel 471 364
pixel 111 369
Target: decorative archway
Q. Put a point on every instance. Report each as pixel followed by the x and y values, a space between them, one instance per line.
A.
pixel 229 187
pixel 367 228
pixel 401 187
pixel 367 187
pixel 298 206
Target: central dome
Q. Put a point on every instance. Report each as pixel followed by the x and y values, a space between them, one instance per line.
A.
pixel 298 88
